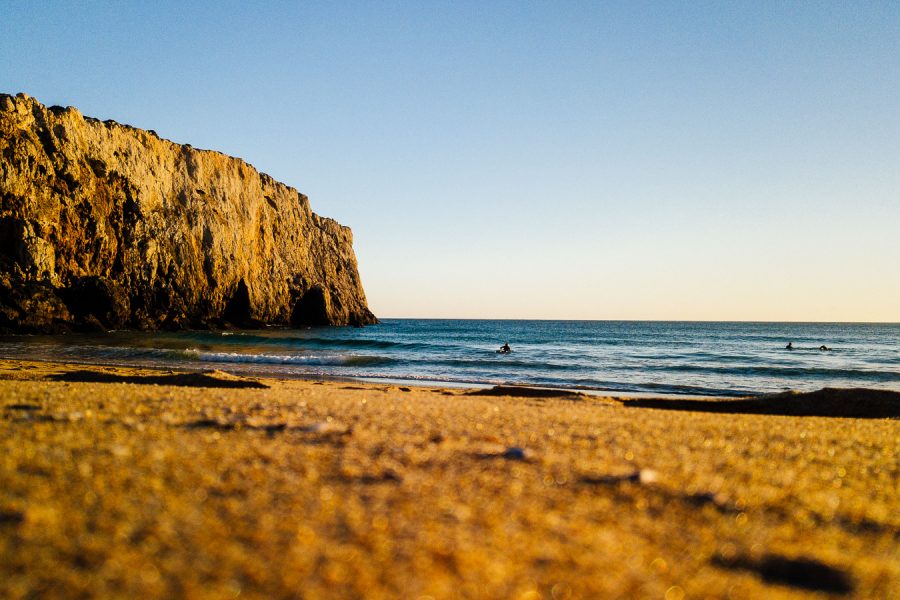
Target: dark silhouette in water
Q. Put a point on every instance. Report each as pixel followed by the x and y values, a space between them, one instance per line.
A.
pixel 790 346
pixel 824 347
pixel 504 349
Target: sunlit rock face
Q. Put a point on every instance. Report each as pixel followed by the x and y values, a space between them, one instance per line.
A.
pixel 106 226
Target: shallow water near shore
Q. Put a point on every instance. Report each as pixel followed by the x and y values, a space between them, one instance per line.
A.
pixel 691 358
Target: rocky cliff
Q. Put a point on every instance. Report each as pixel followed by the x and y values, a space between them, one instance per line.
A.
pixel 106 226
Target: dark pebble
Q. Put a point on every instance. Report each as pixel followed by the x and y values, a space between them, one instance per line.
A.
pixel 802 572
pixel 11 517
pixel 515 453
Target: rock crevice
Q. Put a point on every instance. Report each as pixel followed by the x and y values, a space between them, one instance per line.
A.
pixel 105 226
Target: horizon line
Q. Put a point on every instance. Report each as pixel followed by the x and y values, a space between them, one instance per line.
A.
pixel 641 320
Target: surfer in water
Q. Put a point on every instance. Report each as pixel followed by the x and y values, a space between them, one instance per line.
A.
pixel 824 348
pixel 790 346
pixel 504 349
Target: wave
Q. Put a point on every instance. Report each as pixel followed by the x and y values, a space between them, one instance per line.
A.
pixel 493 363
pixel 286 359
pixel 602 357
pixel 244 339
pixel 778 371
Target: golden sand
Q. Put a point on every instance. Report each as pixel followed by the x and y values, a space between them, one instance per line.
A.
pixel 122 483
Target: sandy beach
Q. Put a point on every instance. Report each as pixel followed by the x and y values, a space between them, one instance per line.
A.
pixel 127 483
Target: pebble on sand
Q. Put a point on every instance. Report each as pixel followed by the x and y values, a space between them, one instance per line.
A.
pixel 516 453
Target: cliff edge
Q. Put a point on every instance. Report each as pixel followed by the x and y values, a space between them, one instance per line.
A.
pixel 105 226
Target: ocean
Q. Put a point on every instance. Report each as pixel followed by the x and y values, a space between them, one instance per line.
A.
pixel 629 357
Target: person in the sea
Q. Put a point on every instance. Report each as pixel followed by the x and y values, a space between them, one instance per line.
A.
pixel 505 348
pixel 824 347
pixel 790 346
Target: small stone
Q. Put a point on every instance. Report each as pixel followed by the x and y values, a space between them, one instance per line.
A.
pixel 703 498
pixel 210 424
pixel 642 476
pixel 515 453
pixel 13 517
pixel 647 476
pixel 326 427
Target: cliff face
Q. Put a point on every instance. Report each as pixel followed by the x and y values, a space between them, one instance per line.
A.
pixel 107 226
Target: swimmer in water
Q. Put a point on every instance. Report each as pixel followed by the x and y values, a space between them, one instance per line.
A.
pixel 790 346
pixel 824 348
pixel 505 348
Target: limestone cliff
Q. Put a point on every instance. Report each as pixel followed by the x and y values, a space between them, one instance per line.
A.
pixel 106 226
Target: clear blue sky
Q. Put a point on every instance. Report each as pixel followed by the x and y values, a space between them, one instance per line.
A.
pixel 525 159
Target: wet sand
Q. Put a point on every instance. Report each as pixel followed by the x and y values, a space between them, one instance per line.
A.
pixel 127 483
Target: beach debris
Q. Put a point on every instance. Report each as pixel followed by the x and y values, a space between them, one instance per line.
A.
pixel 523 391
pixel 56 417
pixel 322 427
pixel 27 407
pixel 11 517
pixel 800 572
pixel 515 453
pixel 233 425
pixel 386 476
pixel 704 498
pixel 510 453
pixel 209 424
pixel 642 476
pixel 327 427
pixel 646 476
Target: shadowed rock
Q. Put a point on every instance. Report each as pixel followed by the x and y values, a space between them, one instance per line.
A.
pixel 11 517
pixel 799 572
pixel 526 392
pixel 237 311
pixel 644 476
pixel 856 403
pixel 97 302
pixel 311 309
pixel 205 380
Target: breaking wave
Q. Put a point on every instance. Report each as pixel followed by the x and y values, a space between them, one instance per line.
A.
pixel 287 359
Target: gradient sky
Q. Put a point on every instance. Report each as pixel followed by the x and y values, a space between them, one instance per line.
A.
pixel 594 160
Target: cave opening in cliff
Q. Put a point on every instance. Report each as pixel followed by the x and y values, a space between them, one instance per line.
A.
pixel 237 311
pixel 311 309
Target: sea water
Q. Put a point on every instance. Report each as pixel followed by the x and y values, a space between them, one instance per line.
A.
pixel 636 357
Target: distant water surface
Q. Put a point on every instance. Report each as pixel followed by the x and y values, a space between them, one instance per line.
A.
pixel 615 356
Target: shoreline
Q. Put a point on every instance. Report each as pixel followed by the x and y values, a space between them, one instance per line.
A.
pixel 163 483
pixel 396 381
pixel 641 361
pixel 379 381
